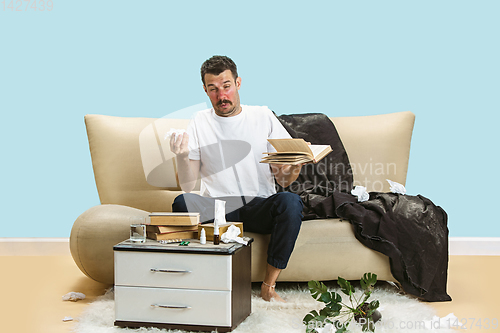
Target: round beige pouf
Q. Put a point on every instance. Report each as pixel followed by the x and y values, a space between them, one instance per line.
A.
pixel 94 234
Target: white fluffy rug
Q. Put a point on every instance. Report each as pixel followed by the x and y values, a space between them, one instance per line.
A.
pixel 400 313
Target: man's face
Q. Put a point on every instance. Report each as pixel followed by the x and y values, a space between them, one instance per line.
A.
pixel 222 90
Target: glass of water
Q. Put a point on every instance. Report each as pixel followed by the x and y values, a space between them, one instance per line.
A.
pixel 137 229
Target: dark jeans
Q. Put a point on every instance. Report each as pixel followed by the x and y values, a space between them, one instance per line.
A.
pixel 279 215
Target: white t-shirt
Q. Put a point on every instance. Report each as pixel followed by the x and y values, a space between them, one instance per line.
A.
pixel 230 149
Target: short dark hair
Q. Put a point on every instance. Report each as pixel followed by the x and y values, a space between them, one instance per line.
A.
pixel 216 65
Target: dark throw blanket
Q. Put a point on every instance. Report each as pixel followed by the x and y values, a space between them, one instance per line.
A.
pixel 410 230
pixel 332 174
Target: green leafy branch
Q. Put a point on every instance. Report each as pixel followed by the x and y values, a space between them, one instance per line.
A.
pixel 333 311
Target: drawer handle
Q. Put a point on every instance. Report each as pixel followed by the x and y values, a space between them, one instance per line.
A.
pixel 169 270
pixel 170 306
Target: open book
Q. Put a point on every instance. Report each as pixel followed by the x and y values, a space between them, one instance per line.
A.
pixel 295 151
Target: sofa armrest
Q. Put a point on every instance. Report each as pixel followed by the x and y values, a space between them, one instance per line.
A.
pixel 94 234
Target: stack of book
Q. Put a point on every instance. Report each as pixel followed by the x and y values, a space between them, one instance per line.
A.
pixel 164 226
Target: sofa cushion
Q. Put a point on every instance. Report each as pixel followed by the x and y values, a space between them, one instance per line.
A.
pixel 120 174
pixel 324 250
pixel 378 147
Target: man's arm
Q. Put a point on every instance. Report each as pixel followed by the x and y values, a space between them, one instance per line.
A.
pixel 285 174
pixel 187 170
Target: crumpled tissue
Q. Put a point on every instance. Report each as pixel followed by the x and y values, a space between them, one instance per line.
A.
pixel 175 132
pixel 328 328
pixel 231 235
pixel 396 187
pixel 73 296
pixel 450 321
pixel 360 192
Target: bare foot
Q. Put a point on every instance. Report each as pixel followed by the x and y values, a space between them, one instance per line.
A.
pixel 268 293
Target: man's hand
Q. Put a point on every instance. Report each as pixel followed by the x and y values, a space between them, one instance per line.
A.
pixel 187 170
pixel 179 145
pixel 285 174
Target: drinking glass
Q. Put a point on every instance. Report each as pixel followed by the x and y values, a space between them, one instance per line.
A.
pixel 137 229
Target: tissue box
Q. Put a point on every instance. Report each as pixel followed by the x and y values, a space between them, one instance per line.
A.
pixel 209 229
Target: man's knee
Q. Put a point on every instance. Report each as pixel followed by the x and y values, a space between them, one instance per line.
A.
pixel 289 205
pixel 290 202
pixel 191 202
pixel 179 204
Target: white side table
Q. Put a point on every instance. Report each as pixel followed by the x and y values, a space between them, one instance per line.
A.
pixel 196 287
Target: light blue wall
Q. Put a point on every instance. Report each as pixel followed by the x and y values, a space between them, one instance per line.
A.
pixel 439 59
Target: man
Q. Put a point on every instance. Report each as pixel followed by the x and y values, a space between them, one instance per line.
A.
pixel 225 144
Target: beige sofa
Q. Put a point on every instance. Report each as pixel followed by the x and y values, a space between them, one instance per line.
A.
pixel 135 175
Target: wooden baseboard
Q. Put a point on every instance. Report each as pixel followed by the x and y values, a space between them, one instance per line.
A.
pixel 34 246
pixel 474 246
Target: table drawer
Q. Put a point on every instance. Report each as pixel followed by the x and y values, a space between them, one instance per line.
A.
pixel 173 306
pixel 173 270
